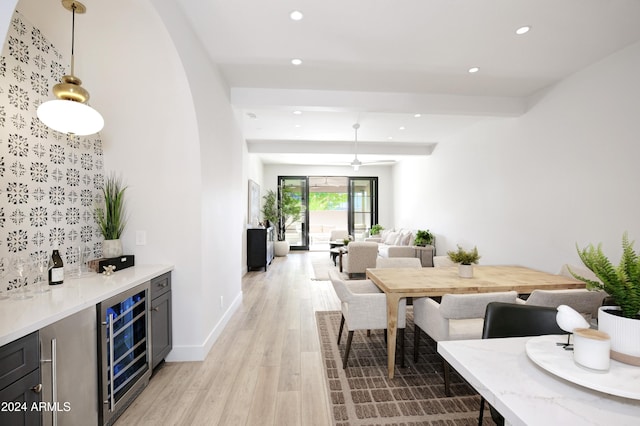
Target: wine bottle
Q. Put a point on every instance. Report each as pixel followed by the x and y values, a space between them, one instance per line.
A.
pixel 56 268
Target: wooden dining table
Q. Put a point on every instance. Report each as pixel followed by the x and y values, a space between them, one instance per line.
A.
pixel 398 283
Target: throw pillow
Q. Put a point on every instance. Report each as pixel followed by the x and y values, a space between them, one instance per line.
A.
pixel 391 238
pixel 405 239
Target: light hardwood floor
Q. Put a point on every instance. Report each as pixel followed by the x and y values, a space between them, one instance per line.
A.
pixel 266 367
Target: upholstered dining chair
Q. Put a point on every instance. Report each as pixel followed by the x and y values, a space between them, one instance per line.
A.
pixel 516 320
pixel 440 261
pixel 583 301
pixel 456 317
pixel 364 309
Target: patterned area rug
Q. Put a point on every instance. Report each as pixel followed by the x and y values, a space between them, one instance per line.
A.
pixel 364 395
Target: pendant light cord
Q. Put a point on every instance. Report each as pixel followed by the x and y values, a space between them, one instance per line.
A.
pixel 73 34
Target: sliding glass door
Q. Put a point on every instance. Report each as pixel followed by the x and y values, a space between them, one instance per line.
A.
pixel 363 206
pixel 295 190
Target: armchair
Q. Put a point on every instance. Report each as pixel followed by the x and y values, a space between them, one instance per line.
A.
pixel 361 255
pixel 456 317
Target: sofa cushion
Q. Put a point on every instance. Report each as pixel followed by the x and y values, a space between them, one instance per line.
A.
pixel 405 239
pixel 391 238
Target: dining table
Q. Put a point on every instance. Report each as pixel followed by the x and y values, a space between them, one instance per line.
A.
pixel 533 381
pixel 398 283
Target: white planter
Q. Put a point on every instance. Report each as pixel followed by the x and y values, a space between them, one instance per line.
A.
pixel 281 248
pixel 465 271
pixel 624 333
pixel 111 248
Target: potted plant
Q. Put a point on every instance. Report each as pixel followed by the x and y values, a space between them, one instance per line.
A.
pixel 269 209
pixel 424 238
pixel 465 260
pixel 622 283
pixel 375 229
pixel 111 217
pixel 283 212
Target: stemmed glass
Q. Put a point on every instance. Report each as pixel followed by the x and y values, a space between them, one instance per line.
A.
pixel 41 266
pixel 20 267
pixel 4 266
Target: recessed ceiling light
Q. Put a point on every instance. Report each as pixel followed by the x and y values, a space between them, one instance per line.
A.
pixel 523 30
pixel 296 61
pixel 296 15
pixel 474 70
pixel 401 128
pixel 417 115
pixel 297 112
pixel 298 126
pixel 390 138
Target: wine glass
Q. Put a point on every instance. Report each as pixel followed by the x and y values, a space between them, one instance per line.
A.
pixel 20 267
pixel 41 267
pixel 4 266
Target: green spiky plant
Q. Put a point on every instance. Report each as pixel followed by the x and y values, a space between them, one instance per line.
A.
pixel 464 257
pixel 375 229
pixel 112 216
pixel 621 282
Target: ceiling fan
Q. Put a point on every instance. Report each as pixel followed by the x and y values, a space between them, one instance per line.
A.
pixel 357 163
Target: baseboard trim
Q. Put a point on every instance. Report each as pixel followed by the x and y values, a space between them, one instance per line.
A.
pixel 199 352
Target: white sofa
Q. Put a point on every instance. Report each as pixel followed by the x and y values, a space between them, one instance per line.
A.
pixel 400 243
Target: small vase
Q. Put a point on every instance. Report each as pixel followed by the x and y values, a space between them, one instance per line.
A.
pixel 111 248
pixel 465 271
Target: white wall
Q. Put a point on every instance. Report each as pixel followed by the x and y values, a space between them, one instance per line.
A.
pixel 171 132
pixel 525 190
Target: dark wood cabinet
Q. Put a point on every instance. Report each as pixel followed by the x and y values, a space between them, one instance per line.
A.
pixel 161 336
pixel 20 384
pixel 259 247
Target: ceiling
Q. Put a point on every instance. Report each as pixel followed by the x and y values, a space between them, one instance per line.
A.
pixel 380 62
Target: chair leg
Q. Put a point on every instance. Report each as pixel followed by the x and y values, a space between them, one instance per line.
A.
pixel 346 352
pixel 481 415
pixel 401 337
pixel 416 342
pixel 341 327
pixel 447 375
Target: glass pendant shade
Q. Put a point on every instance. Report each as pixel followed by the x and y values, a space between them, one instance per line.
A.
pixel 67 116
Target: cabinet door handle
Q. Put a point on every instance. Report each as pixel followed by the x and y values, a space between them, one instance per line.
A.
pixel 155 309
pixel 112 349
pixel 37 388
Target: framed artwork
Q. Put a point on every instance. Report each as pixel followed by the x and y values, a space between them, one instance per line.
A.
pixel 254 203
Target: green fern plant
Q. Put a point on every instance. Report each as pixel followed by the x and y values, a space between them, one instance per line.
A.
pixel 464 257
pixel 621 282
pixel 111 217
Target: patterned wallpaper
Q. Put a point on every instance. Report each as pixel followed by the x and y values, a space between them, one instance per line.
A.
pixel 49 181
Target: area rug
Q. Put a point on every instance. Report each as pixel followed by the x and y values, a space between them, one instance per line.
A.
pixel 362 394
pixel 321 263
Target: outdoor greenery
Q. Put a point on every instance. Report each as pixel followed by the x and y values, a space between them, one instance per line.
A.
pixel 464 257
pixel 321 201
pixel 111 217
pixel 424 238
pixel 622 283
pixel 375 229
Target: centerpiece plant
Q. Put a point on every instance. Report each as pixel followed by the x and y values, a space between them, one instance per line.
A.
pixel 464 259
pixel 622 283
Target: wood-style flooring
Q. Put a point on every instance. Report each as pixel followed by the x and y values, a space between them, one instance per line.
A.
pixel 265 368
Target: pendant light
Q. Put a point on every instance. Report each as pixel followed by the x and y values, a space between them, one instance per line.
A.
pixel 69 113
pixel 356 163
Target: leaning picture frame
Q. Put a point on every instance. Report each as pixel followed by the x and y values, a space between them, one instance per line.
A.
pixel 254 203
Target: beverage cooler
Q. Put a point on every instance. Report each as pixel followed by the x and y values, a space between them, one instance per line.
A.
pixel 123 350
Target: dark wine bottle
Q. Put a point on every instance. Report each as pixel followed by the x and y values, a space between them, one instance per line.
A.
pixel 56 268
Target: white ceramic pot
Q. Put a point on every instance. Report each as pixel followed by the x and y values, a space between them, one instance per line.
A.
pixel 465 271
pixel 281 248
pixel 111 248
pixel 624 332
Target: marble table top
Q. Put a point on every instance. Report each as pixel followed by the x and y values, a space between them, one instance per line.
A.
pixel 526 394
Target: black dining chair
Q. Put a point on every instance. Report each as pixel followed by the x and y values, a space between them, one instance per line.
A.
pixel 516 320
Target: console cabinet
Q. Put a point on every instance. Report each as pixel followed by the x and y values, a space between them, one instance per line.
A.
pixel 259 247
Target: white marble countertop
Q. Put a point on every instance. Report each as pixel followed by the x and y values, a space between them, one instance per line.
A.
pixel 525 394
pixel 21 317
